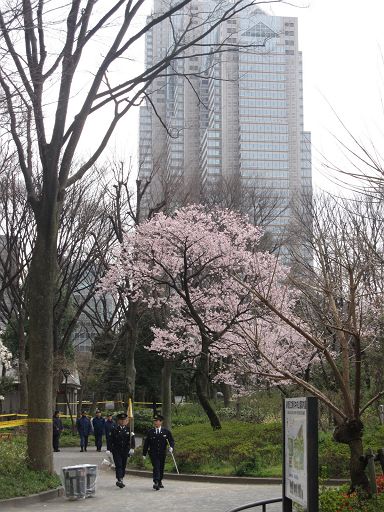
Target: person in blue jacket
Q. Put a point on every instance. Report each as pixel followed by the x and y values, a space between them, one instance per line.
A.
pixel 98 424
pixel 84 429
pixel 57 430
pixel 108 427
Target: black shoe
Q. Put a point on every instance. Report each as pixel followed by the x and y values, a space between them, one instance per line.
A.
pixel 161 486
pixel 56 450
pixel 120 484
pixel 82 450
pixel 156 486
pixel 99 450
pixel 85 449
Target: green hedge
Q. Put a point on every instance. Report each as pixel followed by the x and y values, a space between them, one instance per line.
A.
pixel 252 449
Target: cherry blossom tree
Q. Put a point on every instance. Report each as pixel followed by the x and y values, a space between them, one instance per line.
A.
pixel 5 356
pixel 188 263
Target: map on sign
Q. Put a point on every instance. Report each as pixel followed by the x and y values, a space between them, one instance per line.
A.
pixel 296 450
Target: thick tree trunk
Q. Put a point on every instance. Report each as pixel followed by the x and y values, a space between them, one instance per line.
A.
pixel 23 375
pixel 166 393
pixel 202 385
pixel 41 288
pixel 351 432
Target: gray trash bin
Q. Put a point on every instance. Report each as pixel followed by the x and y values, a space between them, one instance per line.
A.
pixel 79 481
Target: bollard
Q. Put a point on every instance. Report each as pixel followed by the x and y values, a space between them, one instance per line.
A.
pixel 380 458
pixel 381 414
pixel 370 458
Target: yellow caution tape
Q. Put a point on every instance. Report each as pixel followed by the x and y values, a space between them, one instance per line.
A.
pixel 12 423
pixel 39 420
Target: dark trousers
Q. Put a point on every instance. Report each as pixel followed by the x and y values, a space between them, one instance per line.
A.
pixel 158 461
pixel 120 460
pixel 55 441
pixel 109 443
pixel 98 440
pixel 83 441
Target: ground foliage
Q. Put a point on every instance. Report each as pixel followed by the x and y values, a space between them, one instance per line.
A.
pixel 15 477
pixel 339 500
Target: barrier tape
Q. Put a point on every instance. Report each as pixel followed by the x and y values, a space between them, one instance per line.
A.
pixel 21 423
pixel 87 402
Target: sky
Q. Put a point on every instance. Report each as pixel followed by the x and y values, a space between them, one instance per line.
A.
pixel 342 42
pixel 343 70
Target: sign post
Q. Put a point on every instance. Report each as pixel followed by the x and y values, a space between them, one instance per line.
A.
pixel 300 470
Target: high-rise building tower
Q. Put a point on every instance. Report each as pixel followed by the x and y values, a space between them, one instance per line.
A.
pixel 235 114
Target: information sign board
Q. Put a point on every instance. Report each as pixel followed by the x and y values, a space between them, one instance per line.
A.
pixel 300 453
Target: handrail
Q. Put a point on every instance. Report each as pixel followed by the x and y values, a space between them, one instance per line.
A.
pixel 262 503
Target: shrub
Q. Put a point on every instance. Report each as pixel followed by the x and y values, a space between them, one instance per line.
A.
pixel 16 479
pixel 338 500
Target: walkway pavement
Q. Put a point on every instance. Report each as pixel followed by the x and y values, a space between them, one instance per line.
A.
pixel 138 495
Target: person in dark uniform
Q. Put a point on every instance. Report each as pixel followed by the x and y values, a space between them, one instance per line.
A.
pixel 84 428
pixel 156 443
pixel 108 426
pixel 98 424
pixel 57 425
pixel 122 446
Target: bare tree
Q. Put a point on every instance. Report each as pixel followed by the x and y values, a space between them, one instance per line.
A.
pixel 17 233
pixel 43 46
pixel 339 315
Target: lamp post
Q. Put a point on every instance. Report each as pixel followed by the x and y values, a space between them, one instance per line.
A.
pixel 66 374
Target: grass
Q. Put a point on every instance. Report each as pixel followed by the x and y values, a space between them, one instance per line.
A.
pixel 16 479
pixel 251 449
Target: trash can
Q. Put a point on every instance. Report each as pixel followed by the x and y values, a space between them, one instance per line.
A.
pixel 79 481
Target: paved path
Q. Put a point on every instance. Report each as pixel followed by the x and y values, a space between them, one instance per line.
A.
pixel 138 495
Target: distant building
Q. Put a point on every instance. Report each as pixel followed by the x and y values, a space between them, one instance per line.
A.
pixel 238 117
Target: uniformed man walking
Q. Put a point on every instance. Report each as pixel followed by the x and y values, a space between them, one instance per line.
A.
pixel 156 443
pixel 122 442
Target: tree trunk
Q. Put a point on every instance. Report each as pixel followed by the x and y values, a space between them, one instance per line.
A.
pixel 202 384
pixel 226 390
pixel 130 341
pixel 23 376
pixel 166 393
pixel 351 432
pixel 41 288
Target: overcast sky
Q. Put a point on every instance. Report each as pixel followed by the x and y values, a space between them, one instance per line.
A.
pixel 342 43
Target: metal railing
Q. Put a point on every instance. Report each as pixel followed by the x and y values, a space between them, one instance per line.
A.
pixel 263 504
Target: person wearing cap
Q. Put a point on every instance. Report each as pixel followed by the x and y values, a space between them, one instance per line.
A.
pixel 122 442
pixel 84 429
pixel 156 443
pixel 108 426
pixel 57 425
pixel 98 425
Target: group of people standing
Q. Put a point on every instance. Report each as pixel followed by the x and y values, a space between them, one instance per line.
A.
pixel 120 441
pixel 98 426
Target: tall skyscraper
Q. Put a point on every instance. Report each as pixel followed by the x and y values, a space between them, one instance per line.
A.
pixel 231 109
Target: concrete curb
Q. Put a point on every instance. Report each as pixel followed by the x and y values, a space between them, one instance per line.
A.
pixel 208 478
pixel 185 477
pixel 32 498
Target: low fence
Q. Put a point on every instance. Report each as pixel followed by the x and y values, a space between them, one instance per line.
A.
pixel 263 504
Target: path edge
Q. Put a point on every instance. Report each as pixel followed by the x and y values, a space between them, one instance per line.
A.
pixel 32 498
